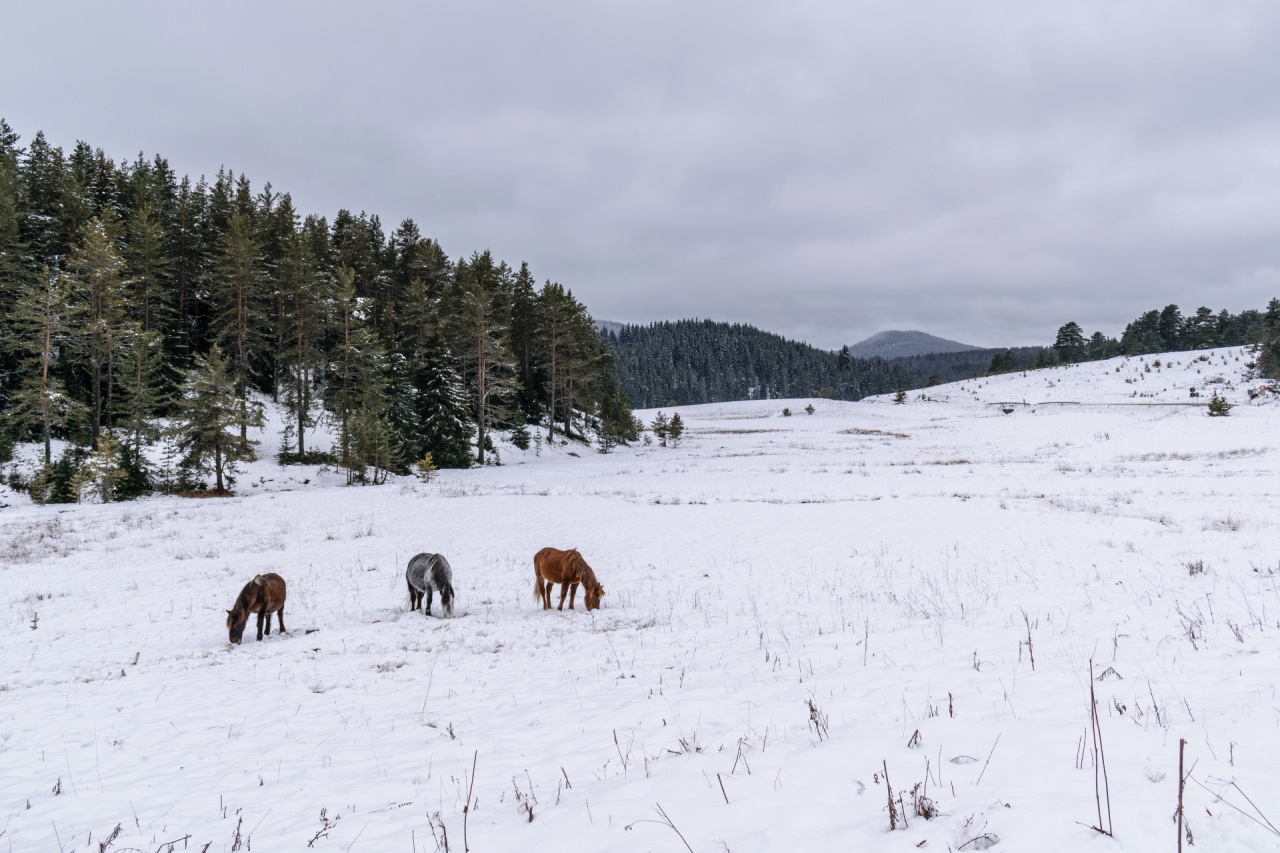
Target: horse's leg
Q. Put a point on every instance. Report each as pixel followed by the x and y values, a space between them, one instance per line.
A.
pixel 573 590
pixel 544 588
pixel 413 596
pixel 279 616
pixel 261 614
pixel 266 614
pixel 426 611
pixel 564 590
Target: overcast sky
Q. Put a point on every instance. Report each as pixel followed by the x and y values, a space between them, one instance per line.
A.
pixel 984 171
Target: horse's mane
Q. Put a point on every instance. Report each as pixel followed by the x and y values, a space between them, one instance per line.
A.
pixel 581 571
pixel 242 600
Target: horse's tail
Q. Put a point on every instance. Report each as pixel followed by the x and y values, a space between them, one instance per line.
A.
pixel 539 590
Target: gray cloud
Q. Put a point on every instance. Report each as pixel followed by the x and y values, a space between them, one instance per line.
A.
pixel 984 171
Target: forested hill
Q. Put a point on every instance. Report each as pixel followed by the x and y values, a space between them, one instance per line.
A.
pixel 127 291
pixel 701 361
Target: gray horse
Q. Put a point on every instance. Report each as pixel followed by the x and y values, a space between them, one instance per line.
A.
pixel 429 572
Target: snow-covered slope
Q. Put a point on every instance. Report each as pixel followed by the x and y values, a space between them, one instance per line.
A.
pixel 794 604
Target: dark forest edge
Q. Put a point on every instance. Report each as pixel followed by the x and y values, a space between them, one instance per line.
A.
pixel 687 362
pixel 139 307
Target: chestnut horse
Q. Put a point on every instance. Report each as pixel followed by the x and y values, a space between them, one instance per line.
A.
pixel 263 595
pixel 567 568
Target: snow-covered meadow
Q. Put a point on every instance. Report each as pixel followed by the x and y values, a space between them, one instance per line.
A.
pixel 793 605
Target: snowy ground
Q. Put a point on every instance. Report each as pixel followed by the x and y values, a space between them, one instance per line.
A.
pixel 894 565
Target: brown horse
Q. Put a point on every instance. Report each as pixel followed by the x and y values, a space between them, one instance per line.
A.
pixel 263 595
pixel 567 568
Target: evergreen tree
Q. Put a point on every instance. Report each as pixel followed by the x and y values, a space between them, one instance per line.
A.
pixel 304 310
pixel 617 424
pixel 211 414
pixel 1002 362
pixel 42 324
pixel 1170 328
pixel 100 287
pixel 675 429
pixel 1101 347
pixel 239 294
pixel 102 471
pixel 1200 330
pixel 148 270
pixel 660 426
pixel 442 405
pixel 1070 343
pixel 14 258
pixel 142 397
pixel 481 335
pixel 1269 345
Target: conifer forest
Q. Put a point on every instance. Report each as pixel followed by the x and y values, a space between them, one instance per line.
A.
pixel 143 308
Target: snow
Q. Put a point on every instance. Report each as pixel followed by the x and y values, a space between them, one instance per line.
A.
pixel 884 562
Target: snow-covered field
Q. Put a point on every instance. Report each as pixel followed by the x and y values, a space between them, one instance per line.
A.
pixel 793 605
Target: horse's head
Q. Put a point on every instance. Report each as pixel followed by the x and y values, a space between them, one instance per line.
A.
pixel 235 625
pixel 591 594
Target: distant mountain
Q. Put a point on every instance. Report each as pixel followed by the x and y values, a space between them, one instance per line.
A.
pixel 608 326
pixel 897 344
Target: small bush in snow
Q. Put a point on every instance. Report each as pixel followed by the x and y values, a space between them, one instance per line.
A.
pixel 425 468
pixel 1219 407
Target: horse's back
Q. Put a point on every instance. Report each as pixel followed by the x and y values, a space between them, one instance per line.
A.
pixel 275 589
pixel 553 565
pixel 428 569
pixel 266 591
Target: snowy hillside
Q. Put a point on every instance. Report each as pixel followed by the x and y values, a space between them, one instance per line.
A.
pixel 794 605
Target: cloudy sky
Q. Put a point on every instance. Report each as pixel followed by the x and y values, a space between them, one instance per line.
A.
pixel 983 171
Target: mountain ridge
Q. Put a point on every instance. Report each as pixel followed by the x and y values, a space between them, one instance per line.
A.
pixel 896 343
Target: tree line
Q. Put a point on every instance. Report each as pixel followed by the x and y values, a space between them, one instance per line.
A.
pixel 686 362
pixel 136 304
pixel 1164 330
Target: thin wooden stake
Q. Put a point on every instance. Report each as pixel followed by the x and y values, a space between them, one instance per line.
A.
pixel 1182 783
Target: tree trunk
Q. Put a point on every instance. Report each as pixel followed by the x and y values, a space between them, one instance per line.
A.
pixel 217 464
pixel 44 389
pixel 480 396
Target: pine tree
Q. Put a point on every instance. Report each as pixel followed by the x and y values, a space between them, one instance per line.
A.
pixel 239 294
pixel 210 415
pixel 1070 343
pixel 148 270
pixel 675 429
pixel 14 257
pixel 42 324
pixel 900 396
pixel 100 287
pixel 142 397
pixel 371 451
pixel 1200 330
pixel 481 336
pixel 304 307
pixel 102 471
pixel 359 397
pixel 442 403
pixel 1219 407
pixel 617 424
pixel 660 426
